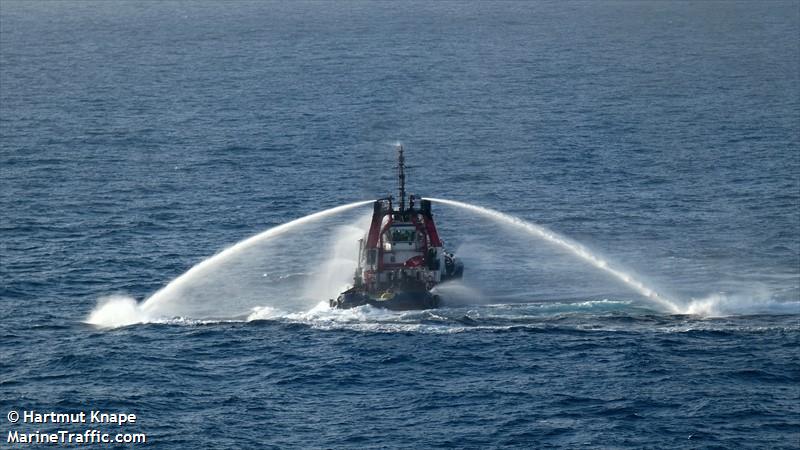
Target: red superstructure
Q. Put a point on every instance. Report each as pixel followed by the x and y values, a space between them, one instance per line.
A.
pixel 401 258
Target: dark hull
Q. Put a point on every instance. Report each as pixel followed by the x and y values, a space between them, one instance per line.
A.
pixel 399 301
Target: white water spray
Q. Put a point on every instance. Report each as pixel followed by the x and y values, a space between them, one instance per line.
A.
pixel 208 265
pixel 336 272
pixel 573 247
pixel 165 304
pixel 118 311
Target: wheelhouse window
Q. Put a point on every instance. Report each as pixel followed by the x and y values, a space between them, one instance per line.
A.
pixel 402 234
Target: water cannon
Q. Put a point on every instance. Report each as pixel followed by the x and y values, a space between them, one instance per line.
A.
pixel 425 208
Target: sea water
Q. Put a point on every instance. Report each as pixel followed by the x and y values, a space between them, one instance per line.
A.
pixel 139 140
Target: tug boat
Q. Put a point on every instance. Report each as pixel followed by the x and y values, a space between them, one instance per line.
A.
pixel 401 258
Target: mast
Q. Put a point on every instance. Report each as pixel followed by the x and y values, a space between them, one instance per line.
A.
pixel 401 168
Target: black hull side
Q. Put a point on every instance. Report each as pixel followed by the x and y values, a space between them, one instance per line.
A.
pixel 399 301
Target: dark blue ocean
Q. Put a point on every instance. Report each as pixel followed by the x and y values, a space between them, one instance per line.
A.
pixel 138 139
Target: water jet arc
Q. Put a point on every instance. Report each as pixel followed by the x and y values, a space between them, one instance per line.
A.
pixel 573 247
pixel 208 264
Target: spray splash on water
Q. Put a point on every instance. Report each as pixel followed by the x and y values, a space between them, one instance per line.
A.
pixel 573 247
pixel 117 311
pixel 753 299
